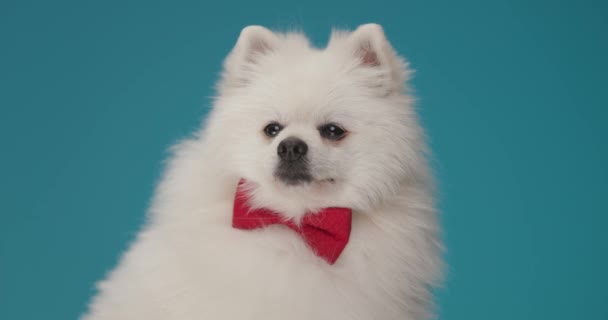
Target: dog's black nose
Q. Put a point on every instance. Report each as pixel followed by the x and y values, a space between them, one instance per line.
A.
pixel 292 149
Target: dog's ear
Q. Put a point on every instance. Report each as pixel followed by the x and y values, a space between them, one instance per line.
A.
pixel 369 46
pixel 253 44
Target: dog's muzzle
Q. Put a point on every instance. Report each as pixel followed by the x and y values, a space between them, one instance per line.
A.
pixel 293 168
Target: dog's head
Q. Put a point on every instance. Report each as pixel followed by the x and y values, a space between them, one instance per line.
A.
pixel 311 128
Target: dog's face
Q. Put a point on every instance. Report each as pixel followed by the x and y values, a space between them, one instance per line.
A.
pixel 315 128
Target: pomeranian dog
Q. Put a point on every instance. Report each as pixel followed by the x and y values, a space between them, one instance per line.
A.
pixel 306 195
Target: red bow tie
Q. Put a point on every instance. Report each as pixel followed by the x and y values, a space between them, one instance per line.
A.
pixel 326 232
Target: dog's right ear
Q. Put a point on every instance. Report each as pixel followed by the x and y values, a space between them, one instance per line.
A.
pixel 369 46
pixel 254 43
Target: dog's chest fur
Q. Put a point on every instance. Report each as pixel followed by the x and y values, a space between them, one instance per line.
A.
pixel 208 270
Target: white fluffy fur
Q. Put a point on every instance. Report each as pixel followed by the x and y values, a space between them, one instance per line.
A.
pixel 189 263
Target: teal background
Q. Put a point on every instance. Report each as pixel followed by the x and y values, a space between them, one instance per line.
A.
pixel 513 94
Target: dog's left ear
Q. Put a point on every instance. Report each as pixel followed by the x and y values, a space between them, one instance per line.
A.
pixel 369 46
pixel 253 44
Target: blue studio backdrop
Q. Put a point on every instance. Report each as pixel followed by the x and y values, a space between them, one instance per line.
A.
pixel 513 95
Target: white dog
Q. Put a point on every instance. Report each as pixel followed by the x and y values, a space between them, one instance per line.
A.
pixel 334 215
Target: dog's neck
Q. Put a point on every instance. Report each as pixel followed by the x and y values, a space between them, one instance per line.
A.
pixel 292 202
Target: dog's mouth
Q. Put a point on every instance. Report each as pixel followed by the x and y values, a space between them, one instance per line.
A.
pixel 300 179
pixel 293 173
pixel 298 174
pixel 295 178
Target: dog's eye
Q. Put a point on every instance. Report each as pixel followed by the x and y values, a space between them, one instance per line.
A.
pixel 332 131
pixel 272 129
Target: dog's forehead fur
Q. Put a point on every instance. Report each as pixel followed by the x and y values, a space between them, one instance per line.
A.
pixel 300 85
pixel 283 78
pixel 314 88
